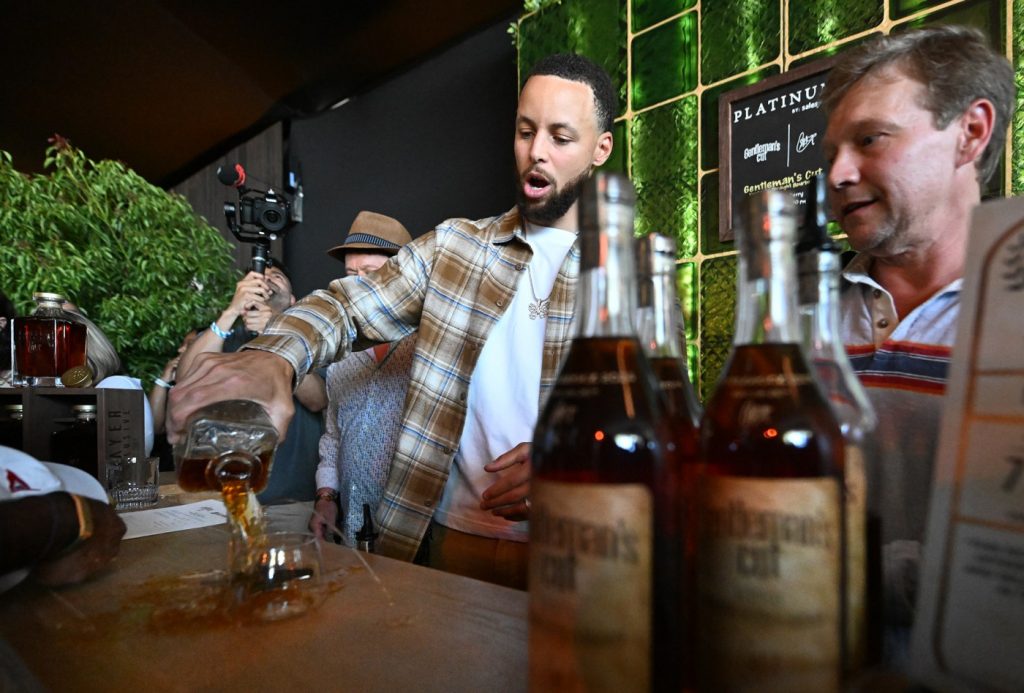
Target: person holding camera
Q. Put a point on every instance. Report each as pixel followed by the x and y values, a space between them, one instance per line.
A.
pixel 259 297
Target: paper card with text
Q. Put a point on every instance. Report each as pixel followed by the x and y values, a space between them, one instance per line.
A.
pixel 969 629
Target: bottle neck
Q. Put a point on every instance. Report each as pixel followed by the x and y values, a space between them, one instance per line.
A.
pixel 819 304
pixel 606 301
pixel 766 294
pixel 819 317
pixel 659 324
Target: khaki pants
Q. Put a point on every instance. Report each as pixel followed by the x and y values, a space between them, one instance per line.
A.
pixel 499 561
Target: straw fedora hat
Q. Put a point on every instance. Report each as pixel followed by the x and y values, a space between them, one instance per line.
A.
pixel 372 233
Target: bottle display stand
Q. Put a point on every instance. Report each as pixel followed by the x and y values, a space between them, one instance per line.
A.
pixel 119 421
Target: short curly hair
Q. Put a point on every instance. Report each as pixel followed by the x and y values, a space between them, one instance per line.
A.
pixel 576 68
pixel 956 66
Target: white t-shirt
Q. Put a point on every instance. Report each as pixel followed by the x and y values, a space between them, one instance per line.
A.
pixel 504 394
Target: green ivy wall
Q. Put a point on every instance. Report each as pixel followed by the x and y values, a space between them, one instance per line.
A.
pixel 671 59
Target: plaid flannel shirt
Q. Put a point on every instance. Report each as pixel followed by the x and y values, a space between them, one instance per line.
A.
pixel 451 284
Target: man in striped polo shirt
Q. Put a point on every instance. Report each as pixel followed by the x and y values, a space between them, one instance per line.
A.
pixel 916 125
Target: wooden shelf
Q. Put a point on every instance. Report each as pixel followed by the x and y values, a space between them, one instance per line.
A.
pixel 119 420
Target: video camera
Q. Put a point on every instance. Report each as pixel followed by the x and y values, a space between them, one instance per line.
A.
pixel 259 216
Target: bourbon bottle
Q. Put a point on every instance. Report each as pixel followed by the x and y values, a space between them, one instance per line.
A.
pixel 602 509
pixel 229 447
pixel 660 328
pixel 76 445
pixel 770 558
pixel 11 425
pixel 818 267
pixel 46 343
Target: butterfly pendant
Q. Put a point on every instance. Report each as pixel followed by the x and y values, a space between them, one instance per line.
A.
pixel 539 309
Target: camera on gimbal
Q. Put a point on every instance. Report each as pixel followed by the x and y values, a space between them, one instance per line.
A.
pixel 259 216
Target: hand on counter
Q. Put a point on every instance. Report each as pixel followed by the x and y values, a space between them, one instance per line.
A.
pixel 88 557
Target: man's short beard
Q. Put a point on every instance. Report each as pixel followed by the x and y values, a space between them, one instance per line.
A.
pixel 555 207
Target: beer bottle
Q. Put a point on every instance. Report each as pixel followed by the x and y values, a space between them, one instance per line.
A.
pixel 660 328
pixel 599 503
pixel 818 267
pixel 771 513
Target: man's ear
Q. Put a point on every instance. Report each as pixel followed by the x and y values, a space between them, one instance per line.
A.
pixel 976 125
pixel 603 150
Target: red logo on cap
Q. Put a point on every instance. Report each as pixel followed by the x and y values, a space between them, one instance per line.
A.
pixel 16 483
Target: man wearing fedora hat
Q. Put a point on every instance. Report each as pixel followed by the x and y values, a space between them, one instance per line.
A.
pixel 365 394
pixel 371 240
pixel 492 301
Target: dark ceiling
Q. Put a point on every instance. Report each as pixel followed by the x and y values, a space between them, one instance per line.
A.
pixel 169 85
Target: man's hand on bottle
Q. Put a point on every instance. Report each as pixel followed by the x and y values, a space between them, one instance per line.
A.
pixel 257 376
pixel 508 496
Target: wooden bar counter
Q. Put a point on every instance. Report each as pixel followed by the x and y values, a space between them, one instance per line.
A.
pixel 384 626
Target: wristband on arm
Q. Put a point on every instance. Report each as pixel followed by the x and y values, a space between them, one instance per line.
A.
pixel 215 328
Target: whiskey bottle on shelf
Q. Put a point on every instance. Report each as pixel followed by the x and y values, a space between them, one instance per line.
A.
pixel 46 343
pixel 770 558
pixel 660 328
pixel 601 506
pixel 818 267
pixel 75 445
pixel 11 425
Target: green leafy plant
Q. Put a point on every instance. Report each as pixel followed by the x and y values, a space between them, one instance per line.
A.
pixel 141 263
pixel 529 7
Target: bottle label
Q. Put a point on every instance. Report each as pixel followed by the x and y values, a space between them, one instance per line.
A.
pixel 855 476
pixel 769 584
pixel 590 586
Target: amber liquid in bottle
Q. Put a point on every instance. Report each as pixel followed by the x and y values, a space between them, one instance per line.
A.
pixel 76 445
pixel 819 265
pixel 602 517
pixel 229 447
pixel 47 347
pixel 194 474
pixel 676 387
pixel 771 553
pixel 11 426
pixel 659 319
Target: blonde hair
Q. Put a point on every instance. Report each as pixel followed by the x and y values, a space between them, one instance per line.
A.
pixel 99 352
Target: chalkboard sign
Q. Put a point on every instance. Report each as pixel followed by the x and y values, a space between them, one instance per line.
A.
pixel 770 138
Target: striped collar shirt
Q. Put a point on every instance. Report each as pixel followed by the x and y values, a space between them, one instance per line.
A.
pixel 903 365
pixel 451 284
pixel 911 353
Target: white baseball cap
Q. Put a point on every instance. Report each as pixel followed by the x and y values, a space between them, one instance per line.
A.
pixel 23 475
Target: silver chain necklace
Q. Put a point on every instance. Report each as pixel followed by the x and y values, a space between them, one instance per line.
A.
pixel 538 307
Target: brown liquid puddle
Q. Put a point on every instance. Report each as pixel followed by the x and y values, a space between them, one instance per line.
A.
pixel 218 599
pixel 186 604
